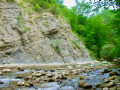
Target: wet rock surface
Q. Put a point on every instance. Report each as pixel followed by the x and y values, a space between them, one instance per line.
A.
pixel 61 77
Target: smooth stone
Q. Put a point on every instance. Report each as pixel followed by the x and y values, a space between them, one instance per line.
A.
pixel 105 88
pixel 51 80
pixel 87 86
pixel 113 73
pixel 19 77
pixel 27 78
pixel 49 75
pixel 1 73
pixel 70 68
pixel 7 71
pixel 106 80
pixel 82 77
pixel 111 84
pixel 21 83
pixel 1 82
pixel 98 85
pixel 52 70
pixel 20 68
pixel 81 83
pixel 107 70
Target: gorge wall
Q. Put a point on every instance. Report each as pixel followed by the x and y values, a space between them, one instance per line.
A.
pixel 27 37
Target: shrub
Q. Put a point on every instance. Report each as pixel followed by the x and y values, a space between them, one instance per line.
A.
pixel 10 0
pixel 36 7
pixel 106 50
pixel 55 9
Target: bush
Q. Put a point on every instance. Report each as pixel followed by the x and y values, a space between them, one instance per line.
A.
pixel 106 50
pixel 55 9
pixel 10 0
pixel 36 7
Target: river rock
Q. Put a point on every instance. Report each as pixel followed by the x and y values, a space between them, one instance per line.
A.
pixel 7 71
pixel 20 68
pixel 111 84
pixel 118 70
pixel 113 88
pixel 21 83
pixel 98 85
pixel 82 77
pixel 31 83
pixel 38 74
pixel 106 80
pixel 1 82
pixel 76 73
pixel 70 68
pixel 107 70
pixel 43 74
pixel 28 77
pixel 50 75
pixel 113 73
pixel 1 73
pixel 81 83
pixel 106 88
pixel 52 70
pixel 28 84
pixel 112 78
pixel 19 77
pixel 51 80
pixel 63 76
pixel 87 86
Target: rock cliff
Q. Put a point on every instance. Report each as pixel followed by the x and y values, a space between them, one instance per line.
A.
pixel 29 37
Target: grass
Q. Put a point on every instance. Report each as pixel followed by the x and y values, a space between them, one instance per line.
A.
pixel 21 23
pixel 76 44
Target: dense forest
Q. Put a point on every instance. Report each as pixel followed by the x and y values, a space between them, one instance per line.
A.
pixel 100 31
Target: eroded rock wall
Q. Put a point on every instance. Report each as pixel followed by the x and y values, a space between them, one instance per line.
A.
pixel 45 39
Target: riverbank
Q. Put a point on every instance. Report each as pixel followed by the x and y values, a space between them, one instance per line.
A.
pixel 53 77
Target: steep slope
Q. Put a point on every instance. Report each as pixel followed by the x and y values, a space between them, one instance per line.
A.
pixel 29 37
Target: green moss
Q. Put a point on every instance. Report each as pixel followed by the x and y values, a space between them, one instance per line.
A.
pixel 21 23
pixel 76 44
pixel 55 44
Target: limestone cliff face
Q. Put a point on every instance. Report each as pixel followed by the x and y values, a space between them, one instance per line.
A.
pixel 44 39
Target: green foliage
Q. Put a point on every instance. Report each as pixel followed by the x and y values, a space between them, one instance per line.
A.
pixel 95 34
pixel 10 0
pixel 55 44
pixel 21 23
pixel 36 7
pixel 55 9
pixel 106 50
pixel 76 44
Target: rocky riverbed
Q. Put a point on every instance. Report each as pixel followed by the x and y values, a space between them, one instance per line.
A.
pixel 90 76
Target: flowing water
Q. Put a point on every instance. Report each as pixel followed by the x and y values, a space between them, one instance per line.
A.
pixel 94 77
